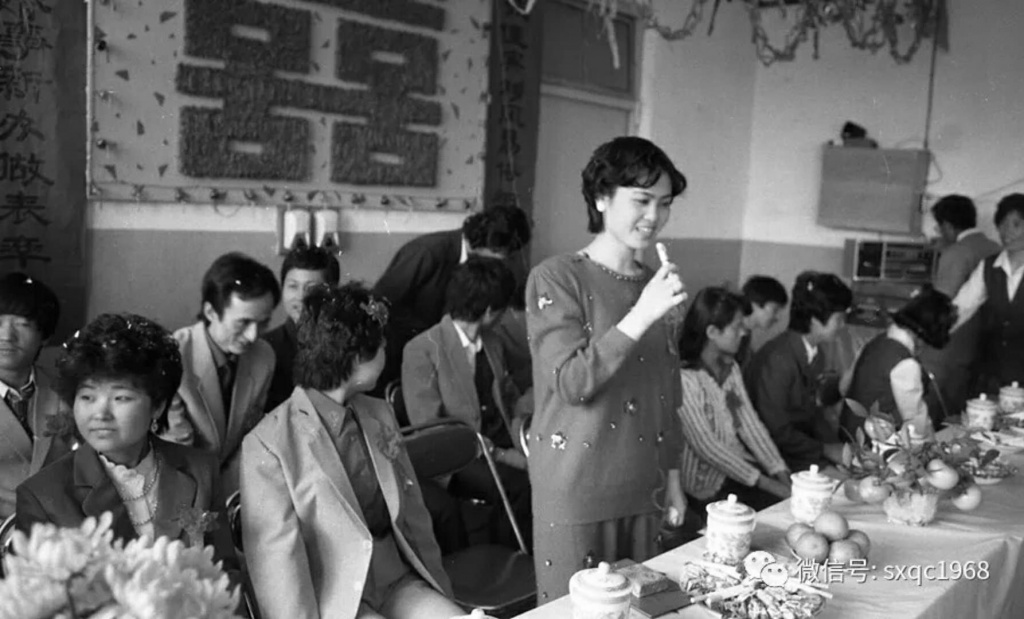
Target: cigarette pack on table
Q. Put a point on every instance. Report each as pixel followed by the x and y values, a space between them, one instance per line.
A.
pixel 645 580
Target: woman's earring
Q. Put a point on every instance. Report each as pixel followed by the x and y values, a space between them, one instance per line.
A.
pixel 154 427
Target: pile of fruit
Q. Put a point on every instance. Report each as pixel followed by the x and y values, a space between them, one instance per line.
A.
pixel 830 539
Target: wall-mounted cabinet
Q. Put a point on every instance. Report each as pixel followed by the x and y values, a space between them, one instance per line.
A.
pixel 873 189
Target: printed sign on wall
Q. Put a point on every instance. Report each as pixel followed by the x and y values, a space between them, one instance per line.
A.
pixel 333 102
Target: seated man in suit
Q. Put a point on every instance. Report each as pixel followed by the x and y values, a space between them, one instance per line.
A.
pixel 786 380
pixel 417 278
pixel 304 268
pixel 28 404
pixel 227 368
pixel 457 369
pixel 765 298
pixel 329 498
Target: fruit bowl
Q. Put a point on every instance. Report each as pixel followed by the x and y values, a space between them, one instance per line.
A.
pixel 751 597
pixel 992 473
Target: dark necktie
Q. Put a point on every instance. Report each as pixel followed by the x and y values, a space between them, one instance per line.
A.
pixel 19 403
pixel 226 375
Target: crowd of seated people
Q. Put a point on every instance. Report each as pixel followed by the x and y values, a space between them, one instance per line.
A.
pixel 615 403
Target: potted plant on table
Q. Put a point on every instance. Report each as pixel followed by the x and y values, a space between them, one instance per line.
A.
pixel 907 474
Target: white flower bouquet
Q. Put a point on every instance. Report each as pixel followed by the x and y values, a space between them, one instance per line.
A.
pixel 83 573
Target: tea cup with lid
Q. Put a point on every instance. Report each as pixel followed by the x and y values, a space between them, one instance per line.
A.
pixel 600 593
pixel 811 494
pixel 730 528
pixel 1011 398
pixel 982 412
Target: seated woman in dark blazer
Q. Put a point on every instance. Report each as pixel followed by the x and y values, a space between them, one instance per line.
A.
pixel 118 374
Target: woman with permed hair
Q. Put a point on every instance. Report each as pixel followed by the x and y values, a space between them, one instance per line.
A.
pixel 330 501
pixel 888 373
pixel 604 441
pixel 118 375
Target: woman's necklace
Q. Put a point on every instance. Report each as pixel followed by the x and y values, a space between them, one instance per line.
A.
pixel 146 488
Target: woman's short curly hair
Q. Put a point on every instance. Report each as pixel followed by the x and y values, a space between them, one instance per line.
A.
pixel 122 345
pixel 929 315
pixel 339 328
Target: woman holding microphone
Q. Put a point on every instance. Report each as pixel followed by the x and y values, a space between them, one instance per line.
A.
pixel 604 440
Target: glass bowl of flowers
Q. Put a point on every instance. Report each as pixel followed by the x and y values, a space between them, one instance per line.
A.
pixel 908 474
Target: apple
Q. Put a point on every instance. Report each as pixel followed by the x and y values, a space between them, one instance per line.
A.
pixel 873 491
pixel 941 475
pixel 851 488
pixel 969 499
pixel 861 539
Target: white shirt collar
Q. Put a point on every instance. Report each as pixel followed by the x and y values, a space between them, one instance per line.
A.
pixel 812 351
pixel 1003 262
pixel 4 387
pixel 473 345
pixel 901 335
pixel 464 256
pixel 123 475
pixel 966 233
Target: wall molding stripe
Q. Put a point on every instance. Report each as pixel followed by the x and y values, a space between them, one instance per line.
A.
pixel 231 218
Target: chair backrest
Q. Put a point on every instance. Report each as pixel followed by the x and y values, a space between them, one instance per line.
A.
pixel 446 446
pixel 6 532
pixel 393 396
pixel 440 447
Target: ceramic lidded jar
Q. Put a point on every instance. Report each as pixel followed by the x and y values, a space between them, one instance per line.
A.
pixel 730 527
pixel 600 593
pixel 981 412
pixel 811 494
pixel 1011 398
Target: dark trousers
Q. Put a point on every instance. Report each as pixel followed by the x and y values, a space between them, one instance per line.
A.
pixel 475 482
pixel 446 513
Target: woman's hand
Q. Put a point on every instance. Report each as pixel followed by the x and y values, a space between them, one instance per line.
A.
pixel 665 291
pixel 676 499
pixel 773 486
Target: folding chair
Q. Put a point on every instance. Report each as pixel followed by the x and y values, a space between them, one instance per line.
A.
pixel 6 532
pixel 497 579
pixel 234 511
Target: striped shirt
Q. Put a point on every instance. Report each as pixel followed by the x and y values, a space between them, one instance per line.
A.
pixel 723 434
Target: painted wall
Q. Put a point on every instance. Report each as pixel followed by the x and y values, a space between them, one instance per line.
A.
pixel 150 259
pixel 975 131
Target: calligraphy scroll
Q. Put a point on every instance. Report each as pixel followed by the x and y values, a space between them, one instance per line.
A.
pixel 512 117
pixel 42 136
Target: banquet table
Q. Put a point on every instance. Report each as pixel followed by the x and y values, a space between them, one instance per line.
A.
pixel 993 533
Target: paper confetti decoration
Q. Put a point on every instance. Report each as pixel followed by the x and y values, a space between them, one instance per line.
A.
pixel 162 169
pixel 123 74
pixel 167 16
pixel 112 170
pixel 140 129
pixel 159 98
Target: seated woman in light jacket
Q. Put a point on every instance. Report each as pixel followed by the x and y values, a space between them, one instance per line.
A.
pixel 332 514
pixel 726 449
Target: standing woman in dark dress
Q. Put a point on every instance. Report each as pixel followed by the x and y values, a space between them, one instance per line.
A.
pixel 604 441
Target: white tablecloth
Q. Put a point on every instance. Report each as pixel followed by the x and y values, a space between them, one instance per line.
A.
pixel 993 533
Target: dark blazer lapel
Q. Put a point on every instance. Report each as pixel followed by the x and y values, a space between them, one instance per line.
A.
pixel 100 494
pixel 176 490
pixel 12 435
pixel 205 375
pixel 461 373
pixel 492 350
